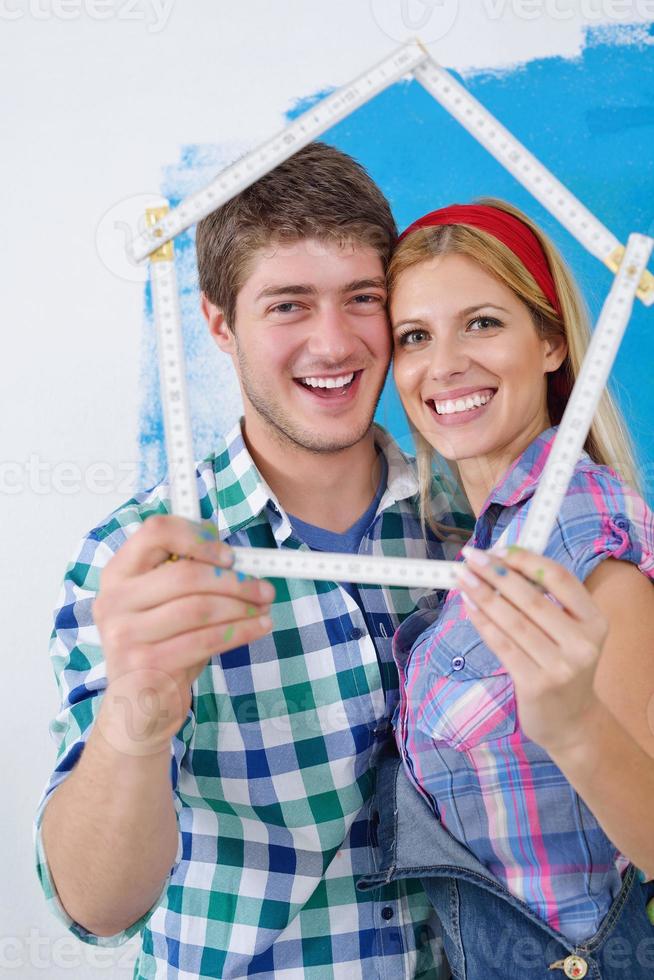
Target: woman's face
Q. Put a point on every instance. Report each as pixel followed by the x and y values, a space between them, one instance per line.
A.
pixel 468 363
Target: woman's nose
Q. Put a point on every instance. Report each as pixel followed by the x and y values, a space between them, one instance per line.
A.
pixel 448 358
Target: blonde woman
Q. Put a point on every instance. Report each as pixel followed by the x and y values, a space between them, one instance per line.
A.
pixel 526 710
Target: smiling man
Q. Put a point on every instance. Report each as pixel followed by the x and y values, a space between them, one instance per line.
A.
pixel 311 346
pixel 229 826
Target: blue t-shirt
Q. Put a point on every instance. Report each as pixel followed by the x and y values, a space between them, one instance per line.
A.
pixel 348 541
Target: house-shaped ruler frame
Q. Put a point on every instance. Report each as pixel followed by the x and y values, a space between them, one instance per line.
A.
pixel 632 279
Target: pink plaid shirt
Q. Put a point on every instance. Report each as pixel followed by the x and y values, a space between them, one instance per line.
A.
pixel 457 726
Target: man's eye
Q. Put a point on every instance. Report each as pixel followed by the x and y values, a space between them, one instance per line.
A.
pixel 285 308
pixel 366 298
pixel 483 323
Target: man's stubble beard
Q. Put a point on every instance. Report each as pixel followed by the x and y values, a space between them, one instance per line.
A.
pixel 282 427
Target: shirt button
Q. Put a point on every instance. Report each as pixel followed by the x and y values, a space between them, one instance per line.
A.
pixel 458 663
pixel 575 967
pixel 387 912
pixel 621 521
pixel 356 633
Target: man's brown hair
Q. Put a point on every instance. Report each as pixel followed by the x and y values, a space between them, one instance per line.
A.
pixel 318 193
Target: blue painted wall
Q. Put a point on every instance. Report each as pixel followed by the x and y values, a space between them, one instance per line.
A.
pixel 589 119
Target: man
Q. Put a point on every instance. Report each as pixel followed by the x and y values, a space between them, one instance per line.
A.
pixel 221 804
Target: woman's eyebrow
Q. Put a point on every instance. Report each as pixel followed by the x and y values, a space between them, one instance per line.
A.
pixel 414 321
pixel 417 322
pixel 481 306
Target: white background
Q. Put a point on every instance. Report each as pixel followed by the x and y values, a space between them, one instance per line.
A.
pixel 97 96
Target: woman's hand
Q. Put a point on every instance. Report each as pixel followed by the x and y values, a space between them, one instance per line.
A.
pixel 551 649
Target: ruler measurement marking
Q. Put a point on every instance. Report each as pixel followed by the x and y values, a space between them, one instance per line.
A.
pixel 179 447
pixel 577 418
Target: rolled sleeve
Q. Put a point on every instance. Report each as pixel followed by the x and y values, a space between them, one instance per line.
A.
pixel 603 518
pixel 56 907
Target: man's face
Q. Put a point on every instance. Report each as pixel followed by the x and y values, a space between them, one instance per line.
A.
pixel 311 343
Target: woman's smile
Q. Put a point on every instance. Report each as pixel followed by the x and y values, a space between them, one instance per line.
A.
pixel 460 405
pixel 469 364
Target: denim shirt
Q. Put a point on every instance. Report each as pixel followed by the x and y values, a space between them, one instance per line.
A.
pixel 457 727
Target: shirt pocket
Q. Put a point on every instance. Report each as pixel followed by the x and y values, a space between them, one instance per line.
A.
pixel 464 714
pixel 470 697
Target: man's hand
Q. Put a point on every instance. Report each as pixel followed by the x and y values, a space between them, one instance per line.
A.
pixel 161 621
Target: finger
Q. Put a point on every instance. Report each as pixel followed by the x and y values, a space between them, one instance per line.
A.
pixel 527 597
pixel 552 577
pixel 173 581
pixel 511 621
pixel 162 535
pixel 182 616
pixel 194 648
pixel 521 667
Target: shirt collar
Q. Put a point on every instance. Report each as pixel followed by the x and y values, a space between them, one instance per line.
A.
pixel 243 494
pixel 402 479
pixel 520 480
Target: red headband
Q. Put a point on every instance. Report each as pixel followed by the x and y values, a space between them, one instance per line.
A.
pixel 512 232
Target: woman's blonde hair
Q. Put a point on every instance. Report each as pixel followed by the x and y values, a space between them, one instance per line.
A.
pixel 608 441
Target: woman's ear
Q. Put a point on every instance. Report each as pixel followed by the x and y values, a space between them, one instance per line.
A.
pixel 218 328
pixel 556 350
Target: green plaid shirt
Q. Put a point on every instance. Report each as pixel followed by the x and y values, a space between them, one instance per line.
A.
pixel 271 773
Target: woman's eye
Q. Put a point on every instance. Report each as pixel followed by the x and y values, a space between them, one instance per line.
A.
pixel 412 337
pixel 483 323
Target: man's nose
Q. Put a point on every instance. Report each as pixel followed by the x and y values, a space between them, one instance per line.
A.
pixel 331 336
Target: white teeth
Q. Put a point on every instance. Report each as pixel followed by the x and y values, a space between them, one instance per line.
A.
pixel 329 382
pixel 450 407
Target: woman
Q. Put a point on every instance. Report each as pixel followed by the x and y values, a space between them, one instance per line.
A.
pixel 527 719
